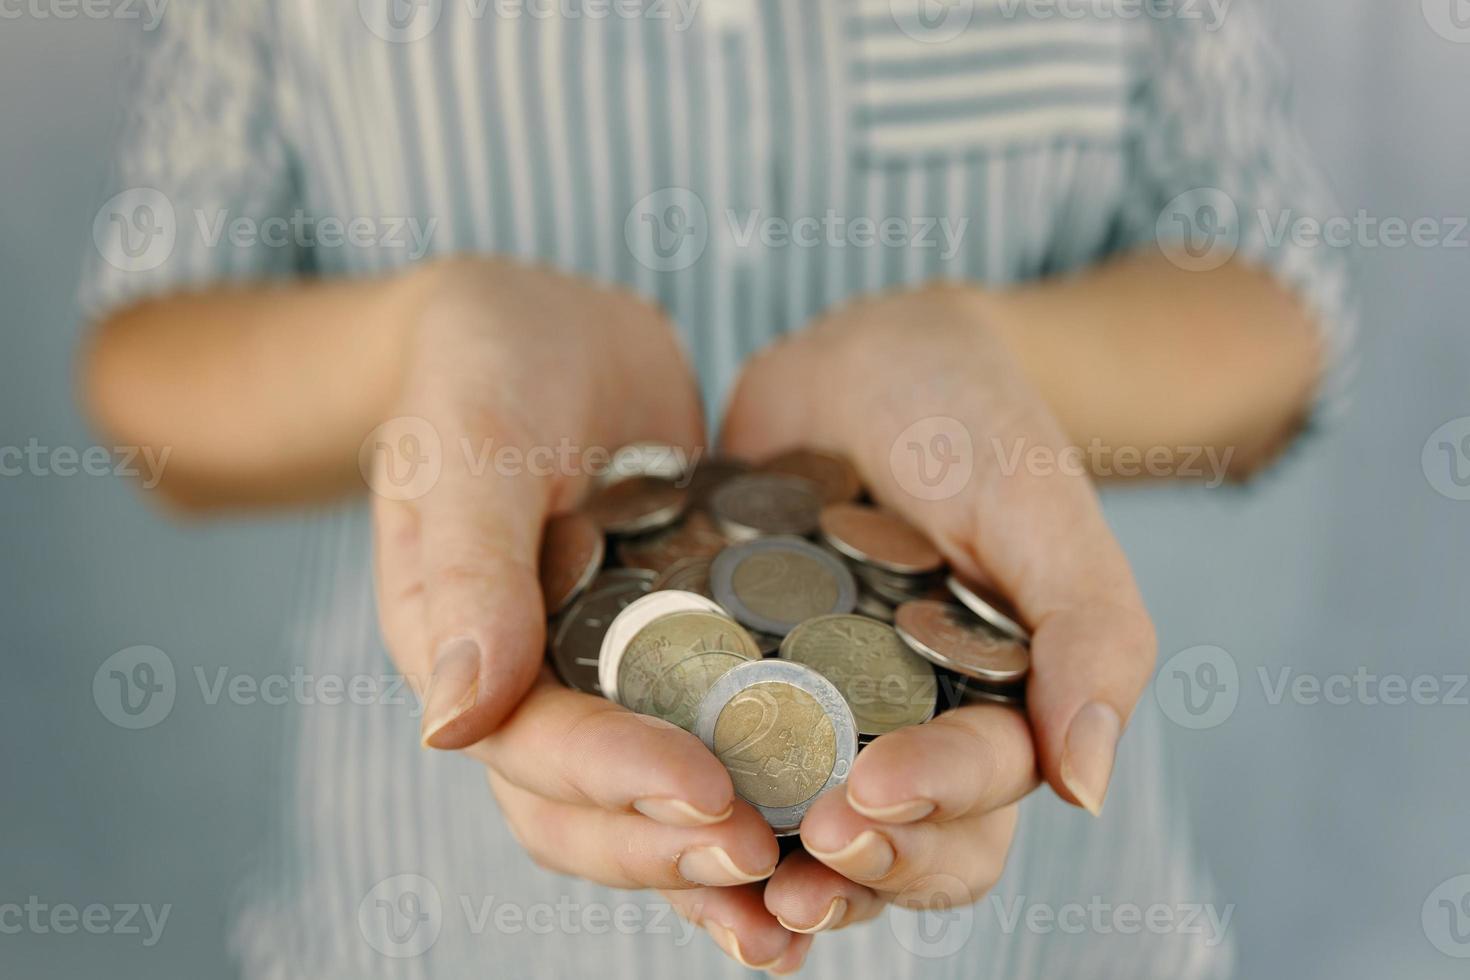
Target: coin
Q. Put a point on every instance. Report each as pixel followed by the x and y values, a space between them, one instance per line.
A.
pixel 670 664
pixel 696 537
pixel 631 621
pixel 636 505
pixel 949 636
pixel 989 606
pixel 576 645
pixel 686 575
pixel 895 588
pixel 886 684
pixel 572 549
pixel 873 606
pixel 880 538
pixel 759 504
pixel 657 459
pixel 772 584
pixel 784 734
pixel 710 473
pixel 834 477
pixel 617 576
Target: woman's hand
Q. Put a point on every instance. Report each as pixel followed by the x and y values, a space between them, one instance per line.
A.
pixel 503 363
pixel 920 390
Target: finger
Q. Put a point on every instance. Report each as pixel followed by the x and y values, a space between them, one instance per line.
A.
pixel 631 851
pixel 974 759
pixel 739 924
pixel 895 858
pixel 575 748
pixel 399 588
pixel 480 538
pixel 808 897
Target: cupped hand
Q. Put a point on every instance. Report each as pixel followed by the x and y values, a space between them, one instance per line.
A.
pixel 922 390
pixel 512 375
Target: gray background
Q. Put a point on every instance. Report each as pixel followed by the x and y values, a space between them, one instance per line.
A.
pixel 1328 826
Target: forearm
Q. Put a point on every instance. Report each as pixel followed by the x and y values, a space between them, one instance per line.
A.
pixel 260 395
pixel 1141 354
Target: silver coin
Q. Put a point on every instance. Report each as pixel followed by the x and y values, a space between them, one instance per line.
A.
pixel 758 504
pixel 893 587
pixel 686 575
pixel 989 607
pixel 645 459
pixel 576 643
pixel 773 584
pixel 874 606
pixel 795 741
pixel 618 576
pixel 957 689
pixel 631 620
pixel 947 635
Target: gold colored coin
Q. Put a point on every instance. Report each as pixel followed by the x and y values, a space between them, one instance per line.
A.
pixel 785 586
pixel 670 663
pixel 777 743
pixel 886 684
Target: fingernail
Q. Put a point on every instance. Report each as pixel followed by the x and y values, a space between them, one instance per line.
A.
pixel 726 939
pixel 906 812
pixel 1087 759
pixel 835 912
pixel 712 866
pixel 867 857
pixel 452 687
pixel 677 813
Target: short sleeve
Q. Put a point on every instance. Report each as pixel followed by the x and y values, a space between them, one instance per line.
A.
pixel 201 189
pixel 1218 169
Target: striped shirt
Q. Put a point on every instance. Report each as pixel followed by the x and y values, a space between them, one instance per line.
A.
pixel 749 164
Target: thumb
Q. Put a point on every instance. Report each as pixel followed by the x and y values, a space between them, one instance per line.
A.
pixel 486 623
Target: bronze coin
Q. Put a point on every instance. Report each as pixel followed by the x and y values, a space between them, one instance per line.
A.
pixel 709 474
pixel 572 549
pixel 697 537
pixel 835 478
pixel 637 505
pixel 879 537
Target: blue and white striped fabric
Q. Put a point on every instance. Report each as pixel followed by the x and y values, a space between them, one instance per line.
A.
pixel 650 143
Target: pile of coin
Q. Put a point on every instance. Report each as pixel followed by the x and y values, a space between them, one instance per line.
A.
pixel 772 612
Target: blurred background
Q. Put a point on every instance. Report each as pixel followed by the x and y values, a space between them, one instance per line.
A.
pixel 1331 826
